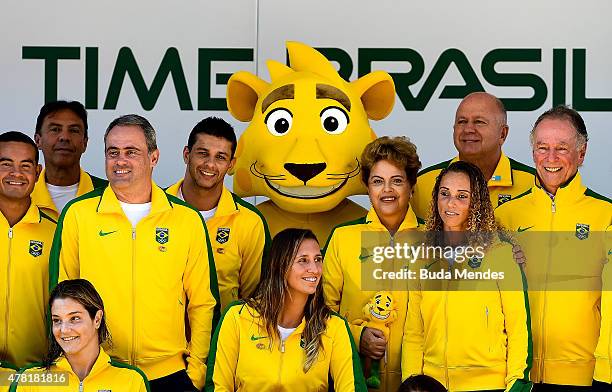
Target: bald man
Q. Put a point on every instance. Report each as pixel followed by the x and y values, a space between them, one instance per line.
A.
pixel 479 132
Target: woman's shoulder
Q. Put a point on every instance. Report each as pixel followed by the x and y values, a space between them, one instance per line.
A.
pixel 240 309
pixel 133 373
pixel 336 324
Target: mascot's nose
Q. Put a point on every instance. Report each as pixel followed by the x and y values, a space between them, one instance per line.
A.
pixel 380 309
pixel 305 171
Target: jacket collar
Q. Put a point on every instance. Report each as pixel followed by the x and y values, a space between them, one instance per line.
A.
pixel 255 318
pixel 225 207
pixel 42 197
pixel 109 204
pixel 102 362
pixel 32 216
pixel 502 176
pixel 567 193
pixel 409 222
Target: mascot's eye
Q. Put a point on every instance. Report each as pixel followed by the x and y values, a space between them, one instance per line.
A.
pixel 334 120
pixel 279 121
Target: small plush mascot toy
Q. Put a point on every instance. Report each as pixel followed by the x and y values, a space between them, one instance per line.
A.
pixel 307 129
pixel 380 312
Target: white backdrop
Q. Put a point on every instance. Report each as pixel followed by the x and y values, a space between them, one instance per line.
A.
pixel 149 28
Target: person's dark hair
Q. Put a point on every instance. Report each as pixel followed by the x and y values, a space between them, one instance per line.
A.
pixel 139 121
pixel 83 292
pixel 421 383
pixel 213 126
pixel 270 294
pixel 20 137
pixel 398 150
pixel 563 112
pixel 481 224
pixel 55 106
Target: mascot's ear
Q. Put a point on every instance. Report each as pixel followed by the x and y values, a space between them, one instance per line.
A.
pixel 243 90
pixel 377 92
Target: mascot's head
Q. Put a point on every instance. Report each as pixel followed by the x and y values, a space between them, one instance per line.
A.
pixel 381 306
pixel 307 130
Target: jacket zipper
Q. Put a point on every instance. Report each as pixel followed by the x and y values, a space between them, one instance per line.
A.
pixel 280 367
pixel 488 330
pixel 133 361
pixel 446 337
pixel 553 210
pixel 8 290
pixel 80 386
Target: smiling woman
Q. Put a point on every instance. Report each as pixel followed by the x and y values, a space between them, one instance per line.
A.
pixel 75 361
pixel 389 170
pixel 284 337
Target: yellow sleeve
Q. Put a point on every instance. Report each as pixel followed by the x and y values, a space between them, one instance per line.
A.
pixel 345 367
pixel 414 337
pixel 517 321
pixel 64 257
pixel 200 285
pixel 255 244
pixel 224 350
pixel 333 282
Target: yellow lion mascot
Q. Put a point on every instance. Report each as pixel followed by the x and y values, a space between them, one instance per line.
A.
pixel 307 130
pixel 380 312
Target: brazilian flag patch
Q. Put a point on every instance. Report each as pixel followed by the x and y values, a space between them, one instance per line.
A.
pixel 162 235
pixel 502 198
pixel 474 262
pixel 36 248
pixel 582 231
pixel 223 235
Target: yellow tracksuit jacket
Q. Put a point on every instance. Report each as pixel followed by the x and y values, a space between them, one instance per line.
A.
pixel 147 277
pixel 42 197
pixel 105 375
pixel 343 288
pixel 471 335
pixel 240 241
pixel 603 352
pixel 510 179
pixel 565 318
pixel 24 286
pixel 241 358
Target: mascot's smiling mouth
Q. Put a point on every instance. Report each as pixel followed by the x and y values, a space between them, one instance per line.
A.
pixel 378 315
pixel 305 191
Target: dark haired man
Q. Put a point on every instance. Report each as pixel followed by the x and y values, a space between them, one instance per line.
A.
pixel 24 259
pixel 61 135
pixel 239 232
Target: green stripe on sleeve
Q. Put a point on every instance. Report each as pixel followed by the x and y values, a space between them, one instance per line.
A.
pixel 118 364
pixel 360 384
pixel 209 385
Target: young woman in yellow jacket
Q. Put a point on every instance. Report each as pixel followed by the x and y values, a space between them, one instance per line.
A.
pixel 285 337
pixel 75 360
pixel 471 335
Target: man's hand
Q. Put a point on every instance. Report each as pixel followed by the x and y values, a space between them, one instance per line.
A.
pixel 373 343
pixel 519 256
